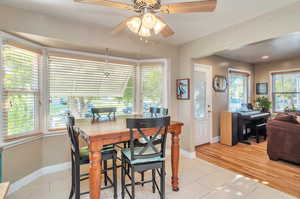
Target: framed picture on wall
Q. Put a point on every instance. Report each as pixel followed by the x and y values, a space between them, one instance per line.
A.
pixel 183 89
pixel 261 88
pixel 220 83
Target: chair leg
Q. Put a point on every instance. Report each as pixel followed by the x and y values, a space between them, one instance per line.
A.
pixel 77 181
pixel 153 180
pixel 73 180
pixel 162 181
pixel 123 177
pixel 132 183
pixel 105 172
pixel 115 176
pixel 257 135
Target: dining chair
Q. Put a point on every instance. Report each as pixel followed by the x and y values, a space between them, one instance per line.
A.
pixel 80 156
pixel 110 113
pixel 155 112
pixel 150 156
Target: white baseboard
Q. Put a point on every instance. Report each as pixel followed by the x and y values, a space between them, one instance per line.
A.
pixel 187 154
pixel 215 139
pixel 36 174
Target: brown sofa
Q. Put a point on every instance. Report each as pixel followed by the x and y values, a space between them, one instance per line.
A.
pixel 283 141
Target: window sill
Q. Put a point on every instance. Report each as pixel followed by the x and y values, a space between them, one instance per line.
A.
pixel 9 143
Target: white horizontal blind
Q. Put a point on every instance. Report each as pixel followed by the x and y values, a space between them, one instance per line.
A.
pixel 153 84
pixel 77 85
pixel 20 91
pixel 73 77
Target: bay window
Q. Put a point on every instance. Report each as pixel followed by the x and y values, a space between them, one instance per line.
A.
pixel 286 91
pixel 37 84
pixel 20 91
pixel 238 90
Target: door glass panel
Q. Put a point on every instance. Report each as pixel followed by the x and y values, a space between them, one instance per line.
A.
pixel 200 95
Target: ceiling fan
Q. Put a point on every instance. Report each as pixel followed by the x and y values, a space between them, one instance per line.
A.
pixel 147 23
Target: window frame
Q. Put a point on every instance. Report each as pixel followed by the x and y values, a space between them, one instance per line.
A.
pixel 249 88
pixel 272 93
pixel 36 93
pixel 42 98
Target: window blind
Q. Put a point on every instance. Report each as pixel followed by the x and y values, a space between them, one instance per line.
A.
pixel 20 69
pixel 73 77
pixel 77 85
pixel 152 81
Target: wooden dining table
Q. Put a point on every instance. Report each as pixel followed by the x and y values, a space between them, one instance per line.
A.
pixel 98 133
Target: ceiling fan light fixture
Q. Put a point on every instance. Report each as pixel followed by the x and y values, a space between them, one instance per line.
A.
pixel 134 24
pixel 144 32
pixel 149 20
pixel 159 26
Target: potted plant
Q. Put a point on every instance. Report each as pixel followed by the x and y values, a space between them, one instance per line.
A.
pixel 264 104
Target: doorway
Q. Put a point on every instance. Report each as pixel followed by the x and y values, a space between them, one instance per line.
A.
pixel 202 103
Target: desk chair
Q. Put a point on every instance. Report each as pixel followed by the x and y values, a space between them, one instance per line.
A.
pixel 80 156
pixel 148 157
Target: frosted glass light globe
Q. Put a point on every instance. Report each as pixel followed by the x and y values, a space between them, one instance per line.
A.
pixel 149 20
pixel 159 26
pixel 144 32
pixel 134 24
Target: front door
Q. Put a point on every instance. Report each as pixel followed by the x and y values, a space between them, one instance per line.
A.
pixel 202 81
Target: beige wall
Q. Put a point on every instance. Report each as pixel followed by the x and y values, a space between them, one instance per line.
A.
pixel 56 150
pixel 220 66
pixel 21 160
pixel 263 70
pixel 270 25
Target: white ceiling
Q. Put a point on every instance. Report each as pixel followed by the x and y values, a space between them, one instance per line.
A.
pixel 281 48
pixel 187 27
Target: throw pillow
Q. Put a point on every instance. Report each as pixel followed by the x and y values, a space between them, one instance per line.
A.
pixel 286 118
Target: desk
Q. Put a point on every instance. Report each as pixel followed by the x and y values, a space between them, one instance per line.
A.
pixel 98 133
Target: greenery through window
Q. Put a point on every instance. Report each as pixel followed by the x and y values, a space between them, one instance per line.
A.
pixel 152 78
pixel 238 90
pixel 286 91
pixel 21 91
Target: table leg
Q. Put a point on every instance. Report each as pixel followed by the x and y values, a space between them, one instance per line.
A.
pixel 95 173
pixel 175 161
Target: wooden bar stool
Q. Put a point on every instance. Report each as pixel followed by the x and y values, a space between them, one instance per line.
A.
pixel 80 156
pixel 146 158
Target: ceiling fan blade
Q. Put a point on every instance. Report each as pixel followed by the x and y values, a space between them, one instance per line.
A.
pixel 108 3
pixel 122 26
pixel 186 7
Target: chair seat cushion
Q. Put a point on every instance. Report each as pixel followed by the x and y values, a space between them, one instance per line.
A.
pixel 127 154
pixel 84 151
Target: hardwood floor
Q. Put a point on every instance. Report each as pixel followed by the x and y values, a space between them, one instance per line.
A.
pixel 252 161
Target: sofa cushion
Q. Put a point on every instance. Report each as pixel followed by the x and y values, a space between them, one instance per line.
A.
pixel 286 118
pixel 296 115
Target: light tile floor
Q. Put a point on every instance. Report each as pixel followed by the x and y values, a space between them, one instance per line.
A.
pixel 198 179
